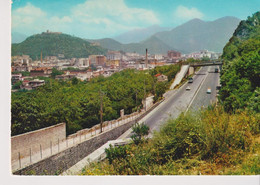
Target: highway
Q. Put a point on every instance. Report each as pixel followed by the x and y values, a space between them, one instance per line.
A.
pixel 180 100
pixel 203 99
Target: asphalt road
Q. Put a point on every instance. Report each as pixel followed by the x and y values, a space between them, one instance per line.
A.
pixel 202 98
pixel 180 100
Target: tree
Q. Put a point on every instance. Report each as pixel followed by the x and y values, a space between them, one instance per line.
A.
pixel 160 88
pixel 74 81
pixel 17 85
pixel 140 131
pixel 55 72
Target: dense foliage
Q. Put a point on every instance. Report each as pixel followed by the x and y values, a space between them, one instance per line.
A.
pixel 240 77
pixel 140 131
pixel 24 73
pixel 78 103
pixel 55 72
pixel 208 142
pixel 54 44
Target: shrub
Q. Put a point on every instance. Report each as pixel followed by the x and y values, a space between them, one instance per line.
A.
pixel 140 130
pixel 116 152
pixel 179 138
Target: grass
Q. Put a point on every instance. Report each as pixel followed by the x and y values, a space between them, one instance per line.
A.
pixel 209 142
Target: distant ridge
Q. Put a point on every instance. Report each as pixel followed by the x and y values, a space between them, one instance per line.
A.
pixel 153 44
pixel 137 35
pixel 196 34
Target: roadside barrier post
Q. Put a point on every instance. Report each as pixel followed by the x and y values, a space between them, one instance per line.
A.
pixel 58 145
pixel 30 155
pixel 41 150
pixel 51 147
pixel 19 159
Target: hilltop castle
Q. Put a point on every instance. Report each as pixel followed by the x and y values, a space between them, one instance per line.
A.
pixel 50 32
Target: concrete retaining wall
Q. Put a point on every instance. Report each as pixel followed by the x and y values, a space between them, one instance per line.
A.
pixel 63 160
pixel 34 140
pixel 67 158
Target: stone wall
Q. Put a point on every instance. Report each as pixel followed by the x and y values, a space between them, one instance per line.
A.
pixel 67 158
pixel 63 160
pixel 32 141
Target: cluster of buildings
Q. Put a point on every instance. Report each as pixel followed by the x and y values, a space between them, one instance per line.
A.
pixel 94 65
pixel 203 54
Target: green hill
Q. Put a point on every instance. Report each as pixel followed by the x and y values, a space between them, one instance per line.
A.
pixel 240 77
pixel 153 44
pixel 52 44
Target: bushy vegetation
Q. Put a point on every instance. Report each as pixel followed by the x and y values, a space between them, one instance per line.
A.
pixel 54 44
pixel 240 78
pixel 209 142
pixel 169 70
pixel 24 73
pixel 223 139
pixel 140 131
pixel 78 103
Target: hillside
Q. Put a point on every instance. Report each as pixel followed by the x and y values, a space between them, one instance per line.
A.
pixel 52 44
pixel 153 44
pixel 210 142
pixel 138 35
pixel 196 35
pixel 108 43
pixel 241 70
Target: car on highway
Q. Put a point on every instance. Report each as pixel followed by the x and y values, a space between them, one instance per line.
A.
pixel 190 80
pixel 187 88
pixel 216 70
pixel 209 91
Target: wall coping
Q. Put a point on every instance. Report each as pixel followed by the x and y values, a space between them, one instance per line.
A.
pixel 45 128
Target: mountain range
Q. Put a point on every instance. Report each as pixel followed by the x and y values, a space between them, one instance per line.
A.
pixel 138 35
pixel 191 36
pixel 196 35
pixel 153 44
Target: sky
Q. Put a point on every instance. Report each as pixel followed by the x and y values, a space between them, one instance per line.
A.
pixel 95 19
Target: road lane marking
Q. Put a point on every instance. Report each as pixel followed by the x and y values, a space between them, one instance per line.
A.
pixel 197 91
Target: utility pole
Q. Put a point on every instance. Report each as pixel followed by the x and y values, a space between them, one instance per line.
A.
pixel 101 109
pixel 144 96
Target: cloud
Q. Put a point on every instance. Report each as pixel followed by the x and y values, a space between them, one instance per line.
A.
pixel 93 18
pixel 114 10
pixel 26 15
pixel 112 15
pixel 185 13
pixel 31 19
